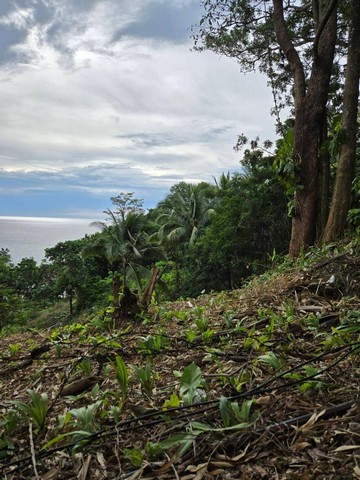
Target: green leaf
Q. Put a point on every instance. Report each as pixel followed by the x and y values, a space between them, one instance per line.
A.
pixel 184 440
pixel 86 416
pixel 232 414
pixel 134 455
pixel 36 410
pixel 272 360
pixel 226 411
pixel 122 375
pixel 199 427
pixel 172 403
pixel 190 381
pixel 79 433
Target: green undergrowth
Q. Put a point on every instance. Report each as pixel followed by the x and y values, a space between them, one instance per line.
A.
pixel 189 373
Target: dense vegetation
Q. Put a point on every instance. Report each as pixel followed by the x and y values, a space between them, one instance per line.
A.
pixel 211 237
pixel 199 238
pixel 310 53
pixel 246 383
pixel 117 376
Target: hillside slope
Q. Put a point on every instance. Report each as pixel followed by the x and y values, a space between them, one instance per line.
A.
pixel 258 383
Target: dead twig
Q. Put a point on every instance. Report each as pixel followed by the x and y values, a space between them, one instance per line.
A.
pixel 32 450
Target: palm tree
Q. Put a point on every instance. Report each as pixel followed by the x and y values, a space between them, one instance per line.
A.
pixel 224 182
pixel 186 212
pixel 125 244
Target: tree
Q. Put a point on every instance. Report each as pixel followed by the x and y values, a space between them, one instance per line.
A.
pixel 126 246
pixel 294 43
pixel 8 299
pixel 185 212
pixel 126 203
pixel 346 168
pixel 74 276
pixel 249 223
pixel 27 278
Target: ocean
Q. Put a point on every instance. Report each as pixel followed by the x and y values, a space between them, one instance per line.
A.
pixel 29 236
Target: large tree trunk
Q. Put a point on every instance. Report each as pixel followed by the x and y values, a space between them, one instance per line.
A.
pixel 306 146
pixel 324 182
pixel 310 104
pixel 346 168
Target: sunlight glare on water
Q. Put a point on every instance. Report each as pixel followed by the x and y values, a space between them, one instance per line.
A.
pixel 29 236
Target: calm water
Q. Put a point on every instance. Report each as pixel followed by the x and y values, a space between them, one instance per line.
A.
pixel 29 236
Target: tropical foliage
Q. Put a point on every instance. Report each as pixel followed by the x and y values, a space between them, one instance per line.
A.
pixel 310 53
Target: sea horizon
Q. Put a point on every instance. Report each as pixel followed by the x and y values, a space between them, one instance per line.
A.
pixel 44 218
pixel 28 237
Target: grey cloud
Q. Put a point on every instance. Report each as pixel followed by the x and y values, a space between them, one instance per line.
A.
pixel 148 140
pixel 15 25
pixel 61 20
pixel 57 19
pixel 101 181
pixel 78 5
pixel 150 116
pixel 43 11
pixel 197 135
pixel 163 21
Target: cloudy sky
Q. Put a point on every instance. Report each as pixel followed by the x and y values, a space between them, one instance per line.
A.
pixel 99 97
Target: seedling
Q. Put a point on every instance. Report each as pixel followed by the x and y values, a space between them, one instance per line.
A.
pixel 134 455
pixel 202 324
pixel 115 411
pixel 146 377
pixel 311 381
pixel 153 343
pixel 271 359
pixel 86 417
pixel 9 422
pixel 122 375
pixel 85 366
pixel 192 384
pixel 14 348
pixel 229 317
pixel 207 335
pixel 232 414
pixel 36 410
pixel 190 335
pixel 173 402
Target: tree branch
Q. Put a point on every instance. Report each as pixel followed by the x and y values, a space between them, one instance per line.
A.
pixel 287 46
pixel 322 25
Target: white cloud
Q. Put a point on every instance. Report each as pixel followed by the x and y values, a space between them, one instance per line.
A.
pixel 149 108
pixel 18 18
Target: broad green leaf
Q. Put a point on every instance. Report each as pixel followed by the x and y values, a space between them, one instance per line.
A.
pixel 191 379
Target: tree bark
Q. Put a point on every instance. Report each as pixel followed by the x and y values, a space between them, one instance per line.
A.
pixel 310 104
pixel 128 305
pixel 149 290
pixel 341 199
pixel 324 183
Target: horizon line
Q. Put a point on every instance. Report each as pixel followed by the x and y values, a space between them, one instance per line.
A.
pixel 44 218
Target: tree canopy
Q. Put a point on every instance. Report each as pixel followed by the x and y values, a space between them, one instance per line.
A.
pixel 304 48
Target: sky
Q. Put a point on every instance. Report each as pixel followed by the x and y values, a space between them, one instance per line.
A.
pixel 99 97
